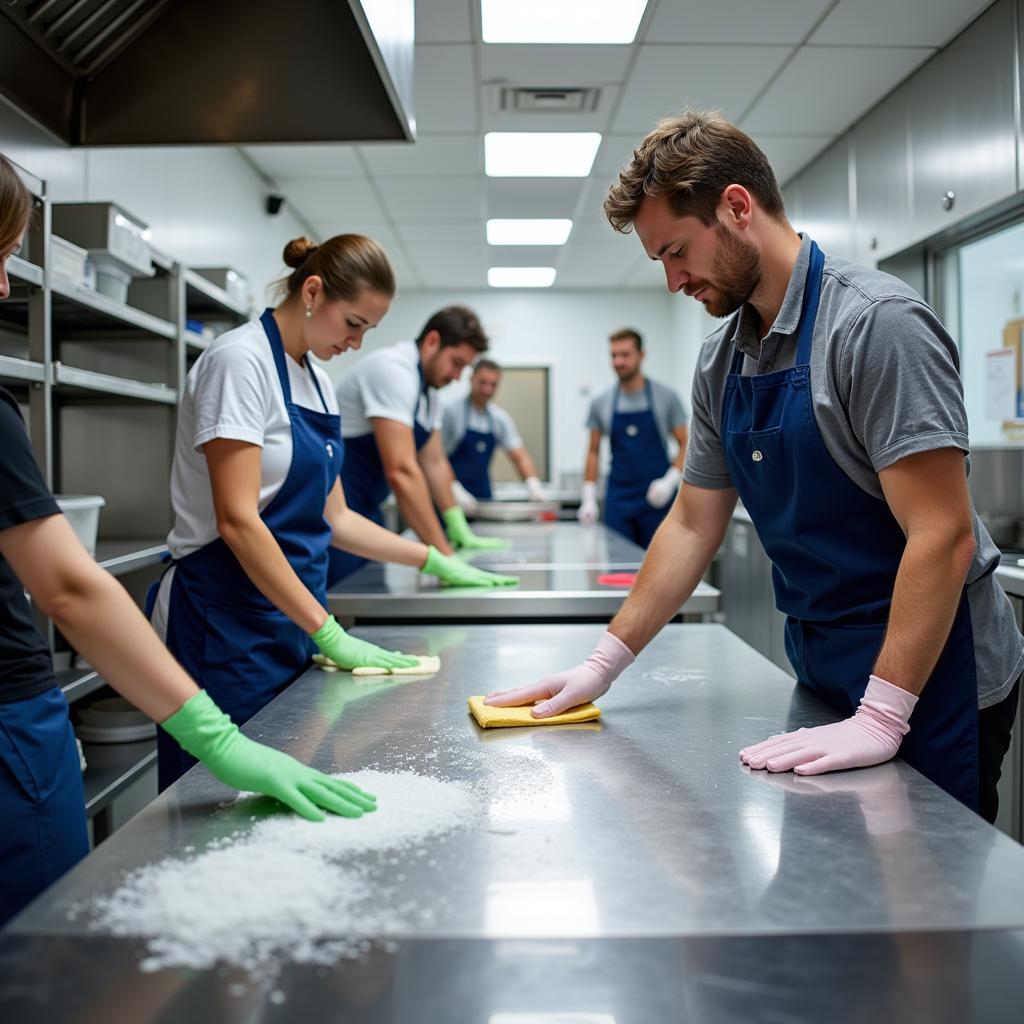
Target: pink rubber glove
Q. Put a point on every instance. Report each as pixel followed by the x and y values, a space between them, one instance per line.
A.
pixel 871 736
pixel 578 685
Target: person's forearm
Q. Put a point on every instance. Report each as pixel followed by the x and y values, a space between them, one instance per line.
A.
pixel 100 620
pixel 673 566
pixel 417 509
pixel 590 469
pixel 523 463
pixel 925 598
pixel 352 532
pixel 264 563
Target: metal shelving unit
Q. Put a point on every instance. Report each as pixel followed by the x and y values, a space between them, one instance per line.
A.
pixel 104 376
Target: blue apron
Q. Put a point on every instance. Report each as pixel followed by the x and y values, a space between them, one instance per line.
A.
pixel 366 484
pixel 471 460
pixel 42 803
pixel 835 552
pixel 237 645
pixel 638 458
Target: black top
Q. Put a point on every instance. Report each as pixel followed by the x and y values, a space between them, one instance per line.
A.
pixel 25 664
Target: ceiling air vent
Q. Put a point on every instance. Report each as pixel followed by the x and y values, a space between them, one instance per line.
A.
pixel 530 100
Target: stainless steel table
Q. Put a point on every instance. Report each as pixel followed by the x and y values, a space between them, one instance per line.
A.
pixel 558 565
pixel 632 873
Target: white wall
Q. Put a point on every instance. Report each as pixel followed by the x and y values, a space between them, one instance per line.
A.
pixel 203 204
pixel 568 331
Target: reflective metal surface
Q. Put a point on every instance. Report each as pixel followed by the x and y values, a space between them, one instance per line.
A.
pixel 558 565
pixel 617 869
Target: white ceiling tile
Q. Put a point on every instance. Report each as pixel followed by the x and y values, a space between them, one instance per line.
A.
pixel 445 89
pixel 306 160
pixel 330 200
pixel 444 21
pixel 449 230
pixel 379 231
pixel 532 197
pixel 554 65
pixel 592 229
pixel 433 199
pixel 824 89
pixel 405 271
pixel 524 255
pixel 791 153
pixel 453 279
pixel 666 78
pixel 495 120
pixel 615 151
pixel 734 21
pixel 589 275
pixel 609 253
pixel 450 155
pixel 447 255
pixel 906 23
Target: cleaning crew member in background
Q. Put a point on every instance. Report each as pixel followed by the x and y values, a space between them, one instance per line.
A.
pixel 42 802
pixel 638 416
pixel 390 418
pixel 831 403
pixel 472 428
pixel 256 495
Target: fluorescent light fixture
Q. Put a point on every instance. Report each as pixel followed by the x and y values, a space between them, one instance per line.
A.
pixel 528 232
pixel 521 277
pixel 540 154
pixel 561 21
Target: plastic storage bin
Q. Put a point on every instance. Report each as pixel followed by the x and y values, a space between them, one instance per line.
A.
pixel 83 513
pixel 68 260
pixel 111 280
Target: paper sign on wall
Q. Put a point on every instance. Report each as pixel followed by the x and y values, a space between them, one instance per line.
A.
pixel 1001 384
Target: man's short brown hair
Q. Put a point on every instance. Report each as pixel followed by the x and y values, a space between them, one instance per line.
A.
pixel 690 159
pixel 457 325
pixel 627 332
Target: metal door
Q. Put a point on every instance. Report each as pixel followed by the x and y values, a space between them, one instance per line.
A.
pixel 524 393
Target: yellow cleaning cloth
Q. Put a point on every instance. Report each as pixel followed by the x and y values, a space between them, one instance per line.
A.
pixel 502 718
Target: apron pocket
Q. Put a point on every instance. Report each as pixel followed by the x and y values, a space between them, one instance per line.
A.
pixel 34 736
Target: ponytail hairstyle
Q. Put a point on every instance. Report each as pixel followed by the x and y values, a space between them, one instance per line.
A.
pixel 15 205
pixel 345 263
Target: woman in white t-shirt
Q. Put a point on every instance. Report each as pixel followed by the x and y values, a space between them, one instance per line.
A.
pixel 256 495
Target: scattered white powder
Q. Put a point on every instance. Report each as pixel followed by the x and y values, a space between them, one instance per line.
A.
pixel 288 889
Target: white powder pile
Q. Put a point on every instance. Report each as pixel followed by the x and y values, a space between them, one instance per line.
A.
pixel 288 889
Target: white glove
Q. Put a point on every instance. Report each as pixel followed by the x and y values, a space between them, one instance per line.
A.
pixel 587 512
pixel 463 498
pixel 535 489
pixel 663 490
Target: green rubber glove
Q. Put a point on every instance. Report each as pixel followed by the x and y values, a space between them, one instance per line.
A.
pixel 209 735
pixel 453 572
pixel 348 652
pixel 462 536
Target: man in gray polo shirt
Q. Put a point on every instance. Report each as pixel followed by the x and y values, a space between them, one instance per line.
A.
pixel 830 402
pixel 638 416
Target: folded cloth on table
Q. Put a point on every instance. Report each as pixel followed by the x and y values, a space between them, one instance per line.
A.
pixel 429 664
pixel 502 718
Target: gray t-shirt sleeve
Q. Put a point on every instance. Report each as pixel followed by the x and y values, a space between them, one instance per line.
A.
pixel 899 377
pixel 671 411
pixel 597 417
pixel 705 459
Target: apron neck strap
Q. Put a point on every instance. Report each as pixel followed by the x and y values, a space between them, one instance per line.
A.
pixel 809 310
pixel 273 334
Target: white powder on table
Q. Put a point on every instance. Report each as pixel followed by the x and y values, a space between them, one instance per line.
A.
pixel 288 889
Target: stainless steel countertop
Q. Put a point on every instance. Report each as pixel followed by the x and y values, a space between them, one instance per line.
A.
pixel 639 844
pixel 558 565
pixel 1011 579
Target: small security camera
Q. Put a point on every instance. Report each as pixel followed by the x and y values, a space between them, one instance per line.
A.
pixel 274 204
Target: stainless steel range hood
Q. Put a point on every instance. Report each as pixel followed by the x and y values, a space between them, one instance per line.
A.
pixel 187 72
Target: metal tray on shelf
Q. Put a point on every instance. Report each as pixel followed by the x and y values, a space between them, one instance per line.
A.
pixel 517 511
